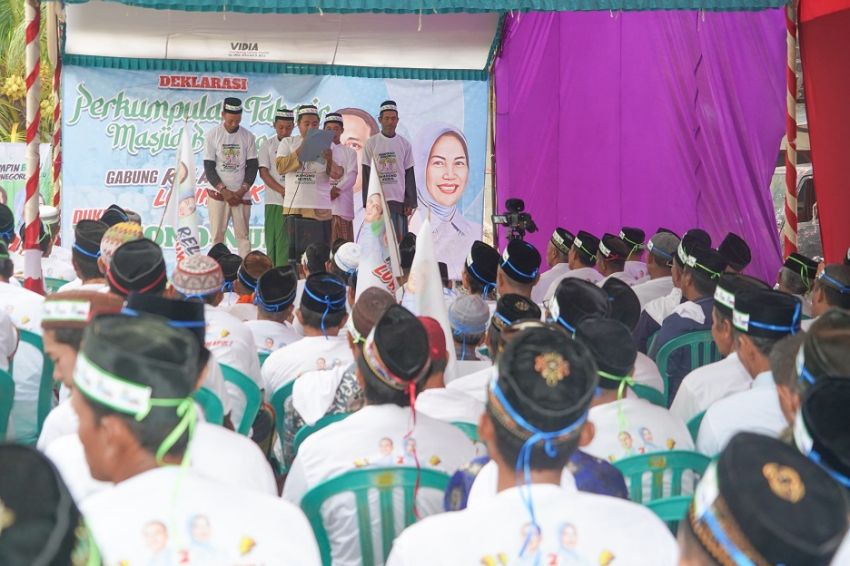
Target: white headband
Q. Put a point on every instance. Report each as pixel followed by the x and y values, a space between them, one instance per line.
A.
pixel 110 390
pixel 233 108
pixel 70 311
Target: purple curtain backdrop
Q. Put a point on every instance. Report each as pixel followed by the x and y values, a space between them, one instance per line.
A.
pixel 649 119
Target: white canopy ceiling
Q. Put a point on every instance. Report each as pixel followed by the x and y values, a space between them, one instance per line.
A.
pixel 427 41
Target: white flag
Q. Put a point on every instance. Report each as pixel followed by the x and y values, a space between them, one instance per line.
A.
pixel 379 260
pixel 180 211
pixel 426 285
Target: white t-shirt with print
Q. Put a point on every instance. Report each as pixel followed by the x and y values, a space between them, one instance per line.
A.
pixel 230 153
pixel 345 157
pixel 270 336
pixel 374 436
pixel 577 528
pixel 392 157
pixel 267 156
pixel 169 516
pixel 308 354
pixel 308 186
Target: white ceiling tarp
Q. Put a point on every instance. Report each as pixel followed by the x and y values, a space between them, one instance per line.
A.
pixel 427 41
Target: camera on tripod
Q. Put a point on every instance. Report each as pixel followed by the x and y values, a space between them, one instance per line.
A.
pixel 515 219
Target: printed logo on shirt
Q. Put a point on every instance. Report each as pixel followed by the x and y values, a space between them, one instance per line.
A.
pixel 558 546
pixel 388 167
pixel 198 545
pixel 231 157
pixel 642 442
pixel 398 452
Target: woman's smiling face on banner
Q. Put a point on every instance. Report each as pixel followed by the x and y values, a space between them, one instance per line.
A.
pixel 448 170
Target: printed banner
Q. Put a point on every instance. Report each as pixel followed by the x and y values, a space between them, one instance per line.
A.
pixel 122 129
pixel 13 177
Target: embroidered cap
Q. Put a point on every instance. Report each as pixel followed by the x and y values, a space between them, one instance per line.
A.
pixel 76 309
pixel 197 276
pixel 137 266
pixel 468 316
pixel 232 105
pixel 766 313
pixel 762 502
pixel 735 251
pixel 563 240
pixel 512 309
pixel 520 261
pixel 347 258
pixel 388 105
pixel 116 236
pixel 335 117
pixel 307 110
pixel 284 114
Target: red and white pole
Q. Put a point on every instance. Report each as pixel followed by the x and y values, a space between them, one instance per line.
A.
pixel 32 255
pixel 789 230
pixel 57 133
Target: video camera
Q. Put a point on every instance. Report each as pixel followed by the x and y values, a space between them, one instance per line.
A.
pixel 515 219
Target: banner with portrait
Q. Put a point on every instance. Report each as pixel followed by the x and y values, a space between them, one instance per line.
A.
pixel 13 177
pixel 122 128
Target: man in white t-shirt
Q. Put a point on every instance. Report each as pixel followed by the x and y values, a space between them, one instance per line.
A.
pixel 659 265
pixel 24 308
pixel 519 269
pixel 557 256
pixel 536 412
pixel 393 156
pixel 200 278
pixel 85 254
pixel 581 259
pixel 611 259
pixel 706 385
pixel 230 164
pixel 387 432
pixel 322 315
pixel 761 318
pixel 342 196
pixel 133 380
pixel 635 267
pixel 276 242
pixel 274 296
pixel 308 189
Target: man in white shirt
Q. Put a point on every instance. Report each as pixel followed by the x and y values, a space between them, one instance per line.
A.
pixel 24 308
pixel 659 265
pixel 518 270
pixel 582 259
pixel 761 318
pixel 133 380
pixel 84 257
pixel 199 278
pixel 342 196
pixel 536 412
pixel 708 384
pixel 387 432
pixel 393 156
pixel 611 259
pixel 308 189
pixel 635 267
pixel 763 502
pixel 230 164
pixel 624 426
pixel 274 296
pixel 277 246
pixel 557 256
pixel 64 317
pixel 322 314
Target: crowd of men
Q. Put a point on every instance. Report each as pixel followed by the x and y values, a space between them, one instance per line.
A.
pixel 540 389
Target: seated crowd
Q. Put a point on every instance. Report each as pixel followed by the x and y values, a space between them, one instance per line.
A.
pixel 241 412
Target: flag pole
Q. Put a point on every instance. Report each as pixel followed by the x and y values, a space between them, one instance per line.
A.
pixel 32 254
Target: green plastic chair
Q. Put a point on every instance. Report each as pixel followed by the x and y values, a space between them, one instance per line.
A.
pixel 52 284
pixel 45 387
pixel 702 348
pixel 469 429
pixel 671 510
pixel 263 358
pixel 651 394
pixel 253 396
pixel 693 425
pixel 633 469
pixel 7 399
pixel 650 342
pixel 211 404
pixel 360 482
pixel 278 399
pixel 307 430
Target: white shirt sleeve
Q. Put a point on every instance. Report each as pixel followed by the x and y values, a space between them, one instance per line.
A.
pixel 350 176
pixel 263 155
pixel 250 146
pixel 408 157
pixel 209 145
pixel 296 483
pixel 683 405
pixel 707 440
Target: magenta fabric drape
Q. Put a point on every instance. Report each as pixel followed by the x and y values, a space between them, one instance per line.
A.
pixel 652 119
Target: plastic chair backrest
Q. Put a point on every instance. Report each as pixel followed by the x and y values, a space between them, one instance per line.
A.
pixel 263 357
pixel 253 396
pixel 45 386
pixel 52 284
pixel 651 394
pixel 469 429
pixel 693 425
pixel 7 399
pixel 671 510
pixel 702 349
pixel 307 430
pixel 360 482
pixel 211 404
pixel 278 399
pixel 633 469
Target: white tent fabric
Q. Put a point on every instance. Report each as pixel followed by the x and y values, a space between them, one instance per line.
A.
pixel 429 41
